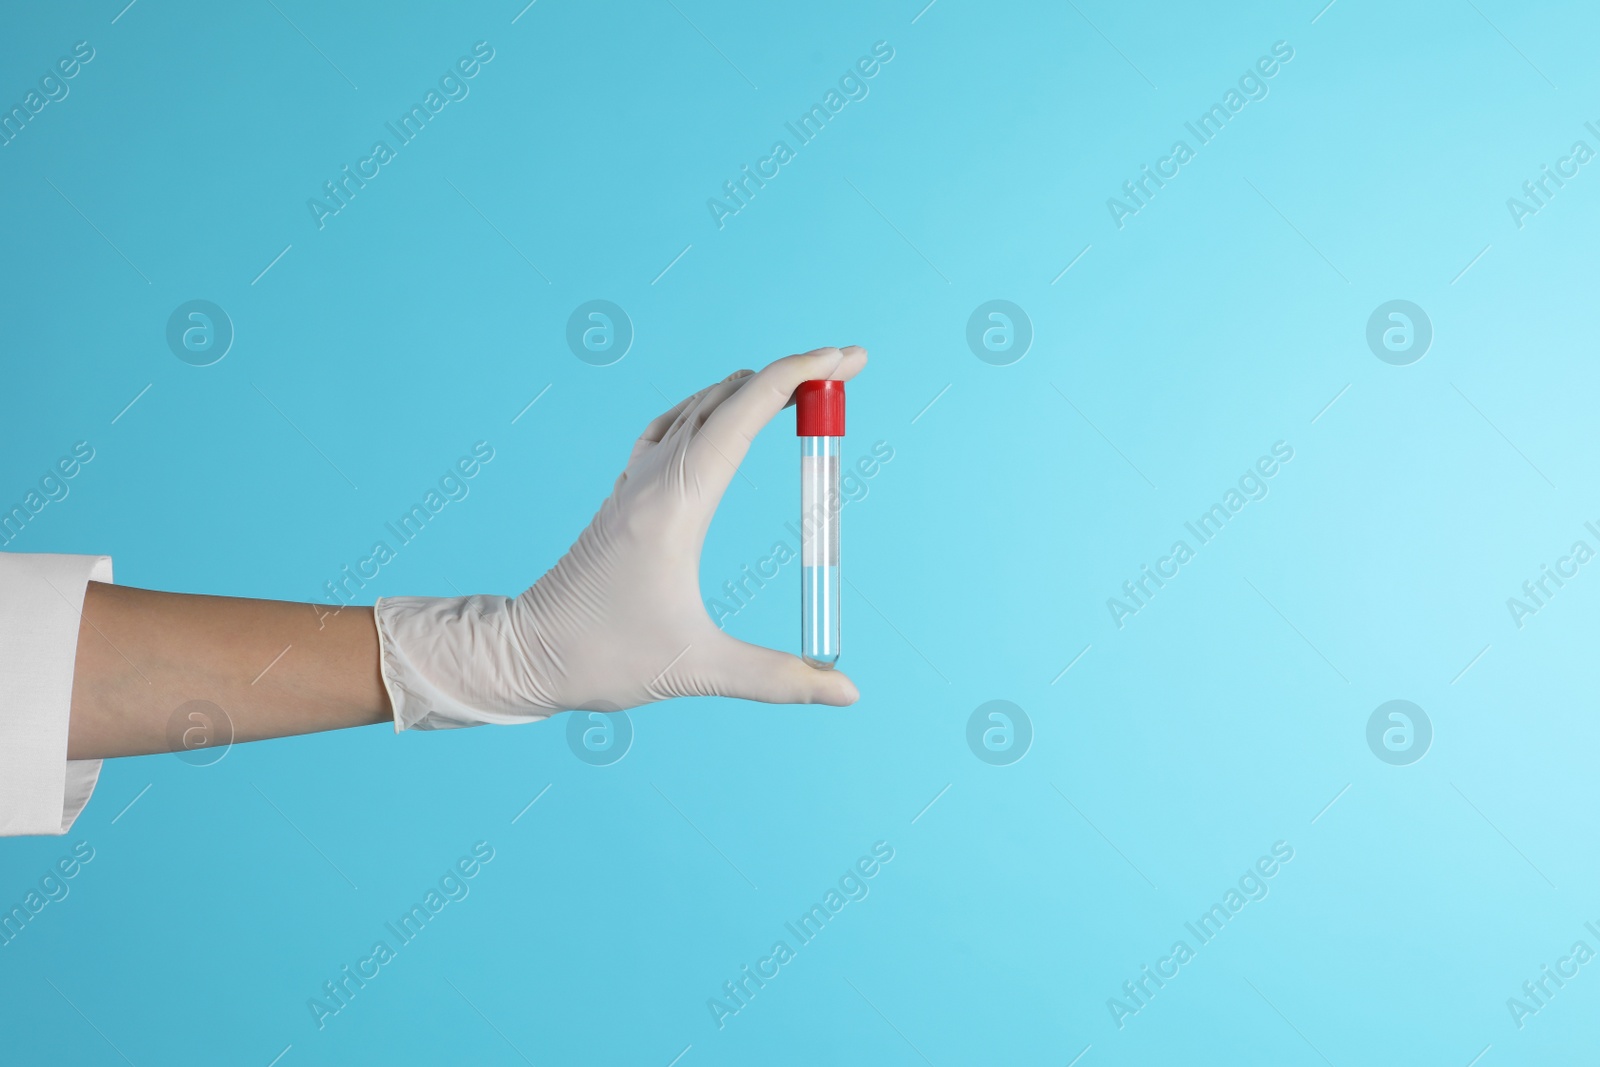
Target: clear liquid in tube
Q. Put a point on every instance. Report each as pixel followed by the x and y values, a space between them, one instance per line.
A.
pixel 819 551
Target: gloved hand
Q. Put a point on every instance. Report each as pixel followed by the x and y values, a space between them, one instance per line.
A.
pixel 618 621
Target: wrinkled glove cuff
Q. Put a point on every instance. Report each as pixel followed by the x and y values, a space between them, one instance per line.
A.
pixel 444 661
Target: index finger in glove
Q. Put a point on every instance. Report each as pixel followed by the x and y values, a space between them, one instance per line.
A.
pixel 658 427
pixel 725 438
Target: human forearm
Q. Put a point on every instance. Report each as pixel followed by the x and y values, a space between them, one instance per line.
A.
pixel 142 654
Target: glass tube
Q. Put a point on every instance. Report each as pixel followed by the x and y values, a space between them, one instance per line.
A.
pixel 819 551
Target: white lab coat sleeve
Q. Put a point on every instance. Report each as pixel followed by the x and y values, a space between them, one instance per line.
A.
pixel 41 603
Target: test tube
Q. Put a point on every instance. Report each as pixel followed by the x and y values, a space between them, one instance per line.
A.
pixel 819 423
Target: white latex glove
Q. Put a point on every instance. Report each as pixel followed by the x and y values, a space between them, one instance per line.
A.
pixel 619 620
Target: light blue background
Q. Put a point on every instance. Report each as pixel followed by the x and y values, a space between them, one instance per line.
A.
pixel 1224 717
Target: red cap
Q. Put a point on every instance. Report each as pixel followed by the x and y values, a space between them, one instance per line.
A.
pixel 819 409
